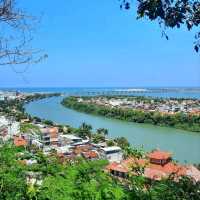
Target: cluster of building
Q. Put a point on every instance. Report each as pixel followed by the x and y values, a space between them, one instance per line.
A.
pixel 169 106
pixel 11 95
pixel 67 146
pixel 155 165
pixel 8 128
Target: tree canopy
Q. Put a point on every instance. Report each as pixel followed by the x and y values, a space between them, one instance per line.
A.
pixel 81 180
pixel 169 14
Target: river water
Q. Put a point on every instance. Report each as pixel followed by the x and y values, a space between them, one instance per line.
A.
pixel 184 145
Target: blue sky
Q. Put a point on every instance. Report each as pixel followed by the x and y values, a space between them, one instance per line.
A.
pixel 95 44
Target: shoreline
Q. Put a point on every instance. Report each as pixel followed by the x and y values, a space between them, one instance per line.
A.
pixel 127 115
pixel 141 135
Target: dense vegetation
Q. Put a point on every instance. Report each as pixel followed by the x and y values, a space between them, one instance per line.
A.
pixel 82 179
pixel 28 127
pixel 179 120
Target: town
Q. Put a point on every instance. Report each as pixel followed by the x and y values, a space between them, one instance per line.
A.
pixel 157 164
pixel 69 144
pixel 165 106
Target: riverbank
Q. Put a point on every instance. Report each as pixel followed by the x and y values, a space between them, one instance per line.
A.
pixel 179 120
pixel 184 145
pixel 15 108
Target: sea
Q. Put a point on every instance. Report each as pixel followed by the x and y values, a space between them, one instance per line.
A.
pixel 160 92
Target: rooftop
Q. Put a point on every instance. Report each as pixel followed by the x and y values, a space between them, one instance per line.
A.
pixel 113 148
pixel 49 130
pixel 19 141
pixel 160 155
pixel 117 167
pixel 90 154
pixel 71 137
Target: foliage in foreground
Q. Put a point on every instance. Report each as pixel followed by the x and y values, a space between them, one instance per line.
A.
pixel 83 180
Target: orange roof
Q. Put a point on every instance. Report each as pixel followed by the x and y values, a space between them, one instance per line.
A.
pixel 169 168
pixel 126 165
pixel 53 130
pixel 90 154
pixel 19 141
pixel 157 154
pixel 154 174
pixel 134 161
pixel 157 172
pixel 82 148
pixel 193 172
pixel 117 167
pixel 152 171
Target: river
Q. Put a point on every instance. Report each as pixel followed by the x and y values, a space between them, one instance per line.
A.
pixel 184 145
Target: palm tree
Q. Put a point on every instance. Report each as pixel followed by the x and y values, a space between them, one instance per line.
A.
pixel 85 126
pixel 85 130
pixel 103 131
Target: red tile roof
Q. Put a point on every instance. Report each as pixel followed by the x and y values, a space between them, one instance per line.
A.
pixel 19 141
pixel 154 174
pixel 135 161
pixel 151 171
pixel 53 130
pixel 193 172
pixel 82 148
pixel 117 167
pixel 160 155
pixel 156 171
pixel 90 154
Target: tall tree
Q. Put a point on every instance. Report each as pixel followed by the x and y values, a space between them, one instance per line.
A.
pixel 103 131
pixel 84 130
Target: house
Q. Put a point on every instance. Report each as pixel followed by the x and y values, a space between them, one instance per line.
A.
pixel 90 155
pixel 37 143
pixel 156 166
pixel 118 169
pixel 2 98
pixel 81 148
pixel 112 154
pixel 64 150
pixel 49 136
pixel 25 120
pixel 69 139
pixel 12 126
pixel 193 172
pixel 159 157
pixel 19 141
pixel 161 166
pixel 125 167
pixel 4 133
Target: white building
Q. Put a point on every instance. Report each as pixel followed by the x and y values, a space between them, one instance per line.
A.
pixel 2 98
pixel 4 133
pixel 69 139
pixel 13 127
pixel 112 154
pixel 64 149
pixel 37 143
pixel 114 102
pixel 49 136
